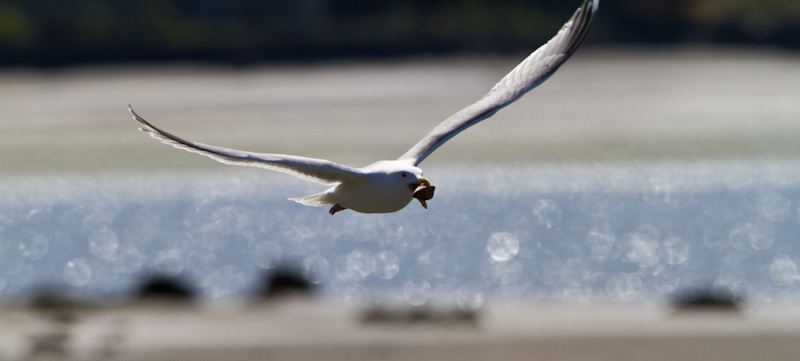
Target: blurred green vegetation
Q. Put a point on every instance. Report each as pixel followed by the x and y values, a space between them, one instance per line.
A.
pixel 57 32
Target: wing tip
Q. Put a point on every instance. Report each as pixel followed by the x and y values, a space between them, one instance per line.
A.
pixel 594 5
pixel 146 127
pixel 582 20
pixel 590 5
pixel 136 117
pixel 133 113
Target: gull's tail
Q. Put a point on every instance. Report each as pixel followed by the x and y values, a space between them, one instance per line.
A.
pixel 315 200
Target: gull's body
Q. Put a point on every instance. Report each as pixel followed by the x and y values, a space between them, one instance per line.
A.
pixel 389 185
pixel 382 187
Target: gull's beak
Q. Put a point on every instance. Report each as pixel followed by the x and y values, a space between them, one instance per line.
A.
pixel 422 191
pixel 418 183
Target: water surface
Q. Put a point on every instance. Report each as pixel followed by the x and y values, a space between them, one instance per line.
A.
pixel 577 233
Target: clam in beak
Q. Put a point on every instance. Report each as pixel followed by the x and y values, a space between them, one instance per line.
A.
pixel 422 191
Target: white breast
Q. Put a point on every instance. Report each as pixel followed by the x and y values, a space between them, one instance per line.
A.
pixel 372 196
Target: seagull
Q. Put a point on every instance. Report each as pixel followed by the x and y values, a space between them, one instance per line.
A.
pixel 389 185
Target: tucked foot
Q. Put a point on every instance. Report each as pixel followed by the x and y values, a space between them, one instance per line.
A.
pixel 336 207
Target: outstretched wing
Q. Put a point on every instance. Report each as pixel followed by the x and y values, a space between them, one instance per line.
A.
pixel 317 170
pixel 534 70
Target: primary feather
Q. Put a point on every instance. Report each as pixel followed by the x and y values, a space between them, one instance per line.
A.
pixel 534 70
pixel 317 170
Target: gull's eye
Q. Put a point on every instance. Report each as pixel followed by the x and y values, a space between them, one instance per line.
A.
pixel 403 174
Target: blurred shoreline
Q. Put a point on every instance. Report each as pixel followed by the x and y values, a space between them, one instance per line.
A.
pixel 296 329
pixel 605 104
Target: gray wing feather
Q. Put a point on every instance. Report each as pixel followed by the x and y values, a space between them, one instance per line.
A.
pixel 316 170
pixel 534 70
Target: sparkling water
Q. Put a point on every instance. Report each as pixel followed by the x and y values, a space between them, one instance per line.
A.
pixel 583 233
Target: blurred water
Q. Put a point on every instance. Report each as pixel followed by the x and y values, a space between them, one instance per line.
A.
pixel 583 233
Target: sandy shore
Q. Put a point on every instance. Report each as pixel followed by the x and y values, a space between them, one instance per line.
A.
pixel 305 330
pixel 603 104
